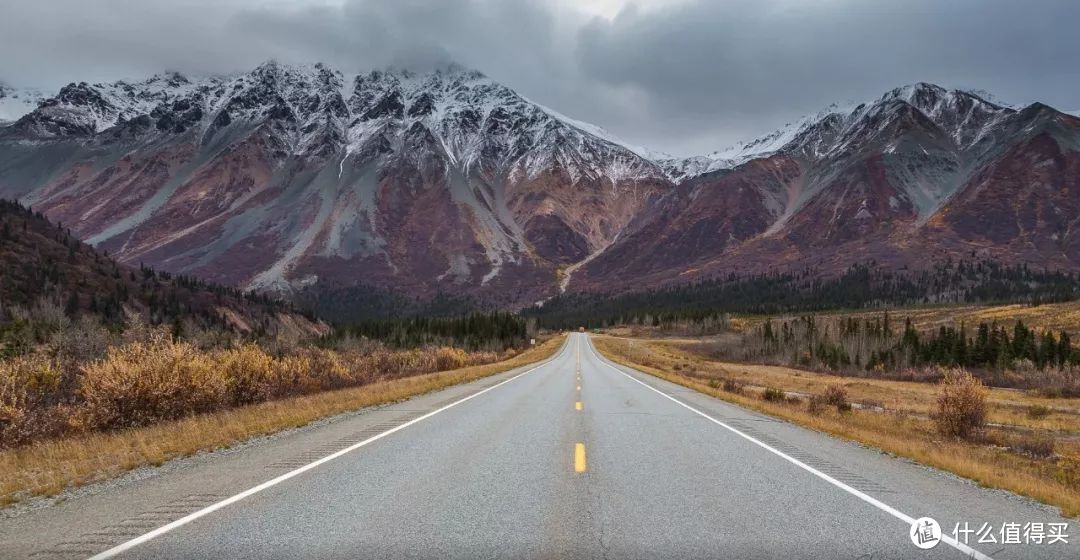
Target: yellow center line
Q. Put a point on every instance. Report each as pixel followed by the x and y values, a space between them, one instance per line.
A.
pixel 578 405
pixel 579 458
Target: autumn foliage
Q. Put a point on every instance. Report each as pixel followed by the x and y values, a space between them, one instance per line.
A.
pixel 961 405
pixel 159 378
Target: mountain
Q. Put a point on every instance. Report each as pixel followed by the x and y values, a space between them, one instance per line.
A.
pixel 41 260
pixel 333 187
pixel 919 175
pixel 289 177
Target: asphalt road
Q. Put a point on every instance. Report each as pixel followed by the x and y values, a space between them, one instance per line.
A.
pixel 573 458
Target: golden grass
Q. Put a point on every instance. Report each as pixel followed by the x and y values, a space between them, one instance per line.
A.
pixel 47 468
pixel 156 378
pixel 1051 316
pixel 1007 406
pixel 1051 481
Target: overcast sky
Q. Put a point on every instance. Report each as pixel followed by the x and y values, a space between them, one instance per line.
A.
pixel 684 76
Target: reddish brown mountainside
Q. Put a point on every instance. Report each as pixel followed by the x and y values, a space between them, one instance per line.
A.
pixel 42 260
pixel 296 179
pixel 903 182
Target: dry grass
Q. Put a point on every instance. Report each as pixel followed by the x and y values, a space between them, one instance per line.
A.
pixel 47 468
pixel 156 378
pixel 1053 480
pixel 1009 407
pixel 1054 317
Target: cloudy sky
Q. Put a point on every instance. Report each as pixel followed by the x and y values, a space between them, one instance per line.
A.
pixel 685 76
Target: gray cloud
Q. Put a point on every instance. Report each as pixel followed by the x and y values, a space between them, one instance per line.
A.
pixel 688 76
pixel 740 63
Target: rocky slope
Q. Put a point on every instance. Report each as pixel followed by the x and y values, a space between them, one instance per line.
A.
pixel 43 262
pixel 919 175
pixel 287 176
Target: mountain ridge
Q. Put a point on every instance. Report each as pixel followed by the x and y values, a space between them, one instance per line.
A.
pixel 191 173
pixel 289 177
pixel 890 181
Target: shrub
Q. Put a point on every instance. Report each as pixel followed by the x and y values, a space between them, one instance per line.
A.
pixel 961 410
pixel 450 358
pixel 816 404
pixel 733 386
pixel 1038 446
pixel 140 383
pixel 254 375
pixel 149 377
pixel 772 394
pixel 30 399
pixel 1037 411
pixel 1033 444
pixel 836 395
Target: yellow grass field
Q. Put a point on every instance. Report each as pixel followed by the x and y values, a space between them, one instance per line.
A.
pixel 1051 316
pixel 892 416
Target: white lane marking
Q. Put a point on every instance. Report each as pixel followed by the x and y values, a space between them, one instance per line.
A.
pixel 970 552
pixel 123 547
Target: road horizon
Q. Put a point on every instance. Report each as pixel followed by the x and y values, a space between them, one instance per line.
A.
pixel 571 457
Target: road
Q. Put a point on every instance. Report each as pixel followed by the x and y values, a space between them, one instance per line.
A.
pixel 571 458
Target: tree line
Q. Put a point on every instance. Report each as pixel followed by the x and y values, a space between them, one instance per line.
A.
pixel 474 331
pixel 861 286
pixel 1016 355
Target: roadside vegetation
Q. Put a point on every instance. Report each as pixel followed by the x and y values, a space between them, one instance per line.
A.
pixel 92 386
pixel 1025 441
pixel 150 377
pixel 50 466
pixel 1013 355
pixel 66 372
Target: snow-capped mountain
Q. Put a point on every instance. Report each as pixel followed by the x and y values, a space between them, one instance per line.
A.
pixel 920 172
pixel 303 177
pixel 289 176
pixel 966 116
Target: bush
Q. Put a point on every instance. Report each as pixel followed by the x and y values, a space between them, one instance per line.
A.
pixel 961 408
pixel 447 358
pixel 772 394
pixel 31 399
pixel 149 377
pixel 836 395
pixel 733 386
pixel 1037 411
pixel 816 404
pixel 1036 445
pixel 140 383
pixel 254 376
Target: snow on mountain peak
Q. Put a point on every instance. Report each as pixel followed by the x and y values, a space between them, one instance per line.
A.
pixel 965 116
pixel 315 110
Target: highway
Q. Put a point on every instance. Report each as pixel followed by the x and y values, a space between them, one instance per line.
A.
pixel 571 458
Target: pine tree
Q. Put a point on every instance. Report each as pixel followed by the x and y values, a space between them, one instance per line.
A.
pixel 1064 350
